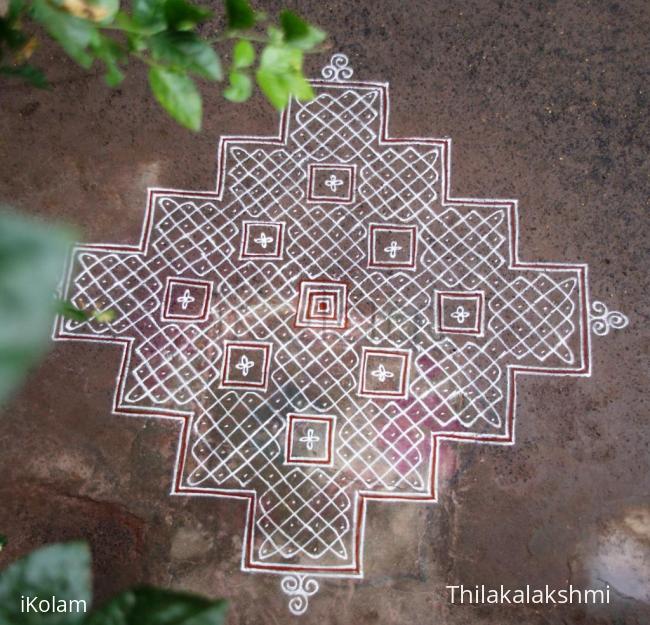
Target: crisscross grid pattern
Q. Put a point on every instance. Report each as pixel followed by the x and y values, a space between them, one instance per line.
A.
pixel 461 383
pixel 237 437
pixel 467 247
pixel 261 179
pixel 191 239
pixel 120 282
pixel 305 512
pixel 337 126
pixel 399 182
pixel 533 316
pixel 236 440
pixel 385 446
pixel 172 363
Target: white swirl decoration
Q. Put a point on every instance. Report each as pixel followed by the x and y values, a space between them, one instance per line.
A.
pixel 299 588
pixel 338 69
pixel 603 320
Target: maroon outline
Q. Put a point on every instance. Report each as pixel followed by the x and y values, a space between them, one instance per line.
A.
pixel 205 310
pixel 321 324
pixel 514 370
pixel 225 363
pixel 373 264
pixel 480 316
pixel 330 420
pixel 279 246
pixel 403 353
pixel 349 199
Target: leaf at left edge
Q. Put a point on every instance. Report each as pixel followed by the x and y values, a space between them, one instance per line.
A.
pixel 33 75
pixel 153 606
pixel 32 258
pixel 60 570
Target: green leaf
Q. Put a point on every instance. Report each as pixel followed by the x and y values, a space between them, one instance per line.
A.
pixel 68 310
pixel 133 26
pixel 111 7
pixel 243 54
pixel 185 51
pixel 182 15
pixel 111 53
pixel 62 571
pixel 240 88
pixel 3 541
pixel 178 95
pixel 74 34
pixel 239 14
pixel 299 33
pixel 149 15
pixel 280 75
pixel 136 43
pixel 15 9
pixel 276 36
pixel 104 316
pixel 31 74
pixel 12 37
pixel 32 256
pixel 150 606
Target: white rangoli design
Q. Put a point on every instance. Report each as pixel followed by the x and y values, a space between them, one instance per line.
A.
pixel 327 370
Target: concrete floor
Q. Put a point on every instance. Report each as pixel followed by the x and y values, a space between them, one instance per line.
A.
pixel 546 102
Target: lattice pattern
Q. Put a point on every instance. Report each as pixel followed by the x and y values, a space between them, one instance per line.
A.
pixel 398 183
pixel 120 282
pixel 261 180
pixel 459 382
pixel 237 437
pixel 337 126
pixel 467 247
pixel 534 318
pixel 304 513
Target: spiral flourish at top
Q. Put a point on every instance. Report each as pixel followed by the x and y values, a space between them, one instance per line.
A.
pixel 338 68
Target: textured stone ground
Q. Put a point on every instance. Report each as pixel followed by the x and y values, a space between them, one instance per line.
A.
pixel 546 102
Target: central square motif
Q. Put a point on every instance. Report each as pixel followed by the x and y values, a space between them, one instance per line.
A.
pixel 322 304
pixel 331 183
pixel 310 439
pixel 246 365
pixel 384 372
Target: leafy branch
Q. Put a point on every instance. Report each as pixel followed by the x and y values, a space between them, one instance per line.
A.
pixel 166 36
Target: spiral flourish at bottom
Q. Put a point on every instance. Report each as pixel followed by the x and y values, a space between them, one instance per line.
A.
pixel 299 588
